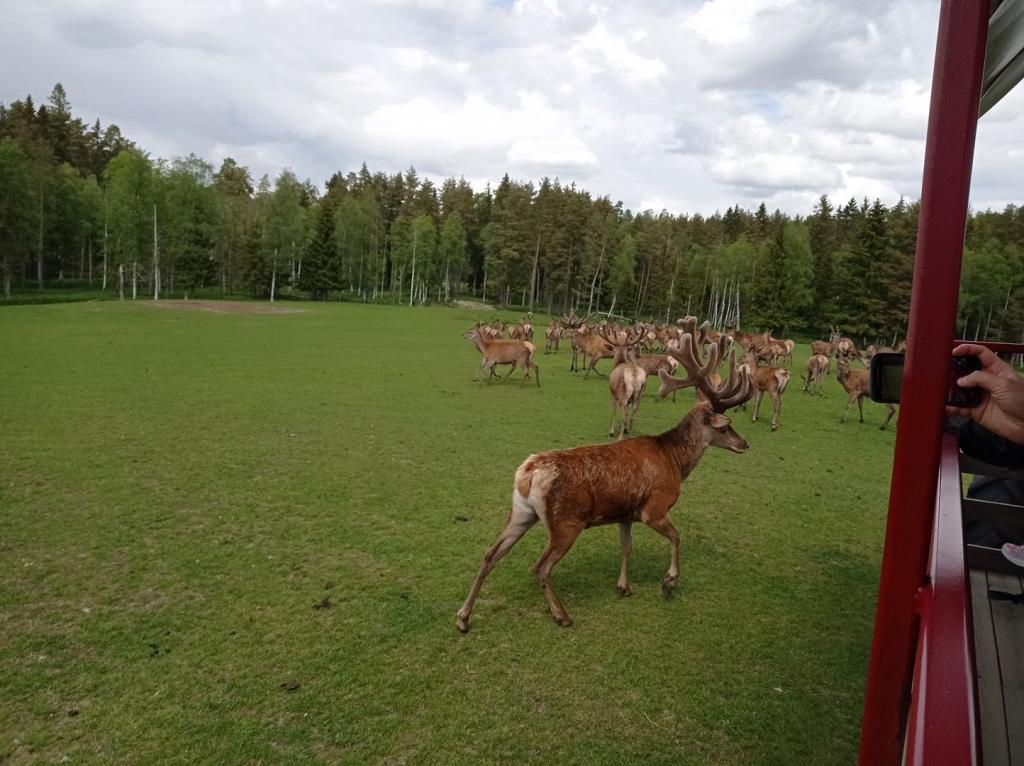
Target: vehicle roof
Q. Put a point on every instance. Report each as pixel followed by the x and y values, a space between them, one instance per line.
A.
pixel 1004 55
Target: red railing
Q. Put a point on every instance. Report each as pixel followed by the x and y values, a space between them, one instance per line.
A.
pixel 999 348
pixel 943 720
pixel 949 154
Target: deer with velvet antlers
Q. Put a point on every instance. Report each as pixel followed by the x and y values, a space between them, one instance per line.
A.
pixel 627 380
pixel 634 480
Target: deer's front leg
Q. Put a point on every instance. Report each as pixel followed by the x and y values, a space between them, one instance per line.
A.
pixel 663 526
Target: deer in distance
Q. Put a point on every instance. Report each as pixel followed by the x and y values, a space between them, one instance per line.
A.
pixel 523 330
pixel 594 348
pixel 628 380
pixel 552 334
pixel 857 384
pixel 495 352
pixel 814 375
pixel 770 380
pixel 623 482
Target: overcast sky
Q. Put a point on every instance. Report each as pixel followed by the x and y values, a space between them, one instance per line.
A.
pixel 688 106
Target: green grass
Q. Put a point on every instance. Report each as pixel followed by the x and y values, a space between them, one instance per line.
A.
pixel 179 489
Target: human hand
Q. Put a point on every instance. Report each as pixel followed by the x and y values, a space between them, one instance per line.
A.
pixel 1002 406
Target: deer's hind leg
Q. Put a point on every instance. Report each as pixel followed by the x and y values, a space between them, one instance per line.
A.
pixel 520 519
pixel 561 538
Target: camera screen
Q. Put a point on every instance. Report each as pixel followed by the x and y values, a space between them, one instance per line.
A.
pixel 891 380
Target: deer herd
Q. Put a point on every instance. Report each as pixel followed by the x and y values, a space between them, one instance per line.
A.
pixel 638 479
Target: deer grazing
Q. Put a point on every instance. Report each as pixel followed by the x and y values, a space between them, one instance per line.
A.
pixel 814 376
pixel 623 482
pixel 858 384
pixel 495 352
pixel 628 380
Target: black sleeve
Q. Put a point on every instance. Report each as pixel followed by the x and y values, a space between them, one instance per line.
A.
pixel 981 444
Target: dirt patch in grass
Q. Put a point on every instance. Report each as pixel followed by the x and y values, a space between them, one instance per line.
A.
pixel 474 305
pixel 225 307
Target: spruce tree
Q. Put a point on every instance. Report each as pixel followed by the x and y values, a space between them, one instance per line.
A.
pixel 320 266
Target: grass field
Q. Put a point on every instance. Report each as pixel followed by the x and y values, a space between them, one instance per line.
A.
pixel 199 511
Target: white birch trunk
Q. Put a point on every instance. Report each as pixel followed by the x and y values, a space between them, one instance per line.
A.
pixel 156 259
pixel 120 282
pixel 412 283
pixel 135 279
pixel 39 252
pixel 104 253
pixel 273 277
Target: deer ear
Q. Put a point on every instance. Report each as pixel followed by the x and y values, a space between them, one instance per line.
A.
pixel 719 421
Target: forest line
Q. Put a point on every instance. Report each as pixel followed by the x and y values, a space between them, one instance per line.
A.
pixel 82 201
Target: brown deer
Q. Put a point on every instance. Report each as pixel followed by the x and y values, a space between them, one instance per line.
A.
pixel 843 347
pixel 577 329
pixel 523 330
pixel 858 384
pixel 636 479
pixel 814 376
pixel 628 380
pixel 822 348
pixel 594 348
pixel 770 380
pixel 552 334
pixel 787 346
pixel 495 352
pixel 495 330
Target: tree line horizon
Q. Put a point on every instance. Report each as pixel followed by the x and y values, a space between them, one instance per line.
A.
pixel 84 202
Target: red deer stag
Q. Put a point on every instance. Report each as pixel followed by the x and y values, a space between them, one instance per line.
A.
pixel 636 479
pixel 628 380
pixel 495 352
pixel 814 376
pixel 857 384
pixel 844 348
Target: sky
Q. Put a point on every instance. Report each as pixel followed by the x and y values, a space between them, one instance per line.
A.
pixel 684 106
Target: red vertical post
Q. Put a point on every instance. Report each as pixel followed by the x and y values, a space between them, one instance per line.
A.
pixel 949 154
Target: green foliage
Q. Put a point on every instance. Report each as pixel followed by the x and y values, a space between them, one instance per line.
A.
pixel 494 244
pixel 320 268
pixel 783 284
pixel 15 209
pixel 189 221
pixel 130 199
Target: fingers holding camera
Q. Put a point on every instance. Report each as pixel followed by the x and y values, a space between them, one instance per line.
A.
pixel 1002 410
pixel 989 361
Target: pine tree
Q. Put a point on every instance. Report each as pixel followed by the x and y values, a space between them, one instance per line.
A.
pixel 320 272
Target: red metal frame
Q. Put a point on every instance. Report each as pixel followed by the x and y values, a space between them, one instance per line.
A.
pixel 999 348
pixel 943 720
pixel 949 154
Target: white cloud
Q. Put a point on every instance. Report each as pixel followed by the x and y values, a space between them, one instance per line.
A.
pixel 692 107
